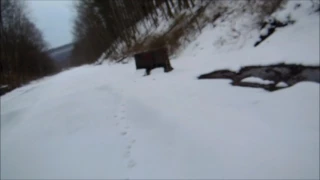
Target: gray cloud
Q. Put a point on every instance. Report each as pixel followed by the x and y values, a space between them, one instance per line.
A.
pixel 54 18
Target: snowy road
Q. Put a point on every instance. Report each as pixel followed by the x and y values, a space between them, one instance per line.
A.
pixel 111 122
pixel 158 128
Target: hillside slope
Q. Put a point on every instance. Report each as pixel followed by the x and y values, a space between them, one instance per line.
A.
pixel 111 122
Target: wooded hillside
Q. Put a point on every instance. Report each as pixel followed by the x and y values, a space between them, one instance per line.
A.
pixel 23 49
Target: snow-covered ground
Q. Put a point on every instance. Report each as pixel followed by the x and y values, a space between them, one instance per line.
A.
pixel 110 121
pixel 257 80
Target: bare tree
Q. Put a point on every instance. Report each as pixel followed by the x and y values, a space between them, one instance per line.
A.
pixel 23 50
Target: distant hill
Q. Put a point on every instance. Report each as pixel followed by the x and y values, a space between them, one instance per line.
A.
pixel 61 55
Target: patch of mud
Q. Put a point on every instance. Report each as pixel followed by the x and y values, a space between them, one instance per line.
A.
pixel 288 74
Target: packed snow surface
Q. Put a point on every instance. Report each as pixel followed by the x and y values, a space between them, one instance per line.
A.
pixel 111 122
pixel 257 80
pixel 282 84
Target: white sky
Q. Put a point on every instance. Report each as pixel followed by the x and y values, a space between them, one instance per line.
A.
pixel 54 18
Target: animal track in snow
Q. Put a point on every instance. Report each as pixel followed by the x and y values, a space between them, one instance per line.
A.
pixel 131 163
pixel 123 125
pixel 127 154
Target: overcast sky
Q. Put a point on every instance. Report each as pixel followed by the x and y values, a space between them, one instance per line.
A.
pixel 54 18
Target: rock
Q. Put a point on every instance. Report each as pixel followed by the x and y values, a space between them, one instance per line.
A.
pixel 283 75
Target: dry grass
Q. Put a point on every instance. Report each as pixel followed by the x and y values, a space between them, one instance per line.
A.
pixel 184 25
pixel 189 24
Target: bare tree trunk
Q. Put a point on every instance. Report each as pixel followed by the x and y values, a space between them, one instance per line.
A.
pixel 168 9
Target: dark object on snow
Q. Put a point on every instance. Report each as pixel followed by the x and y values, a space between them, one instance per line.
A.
pixel 273 24
pixel 153 59
pixel 297 6
pixel 287 73
pixel 221 74
pixel 263 37
pixel 5 89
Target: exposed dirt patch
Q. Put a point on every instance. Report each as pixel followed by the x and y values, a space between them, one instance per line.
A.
pixel 288 74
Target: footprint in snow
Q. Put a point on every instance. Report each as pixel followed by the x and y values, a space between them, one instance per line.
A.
pixel 123 133
pixel 131 164
pixel 127 154
pixel 256 102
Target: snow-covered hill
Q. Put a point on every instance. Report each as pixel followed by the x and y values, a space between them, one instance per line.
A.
pixel 111 122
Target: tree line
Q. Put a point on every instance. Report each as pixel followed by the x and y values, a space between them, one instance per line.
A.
pixel 104 25
pixel 111 26
pixel 23 49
